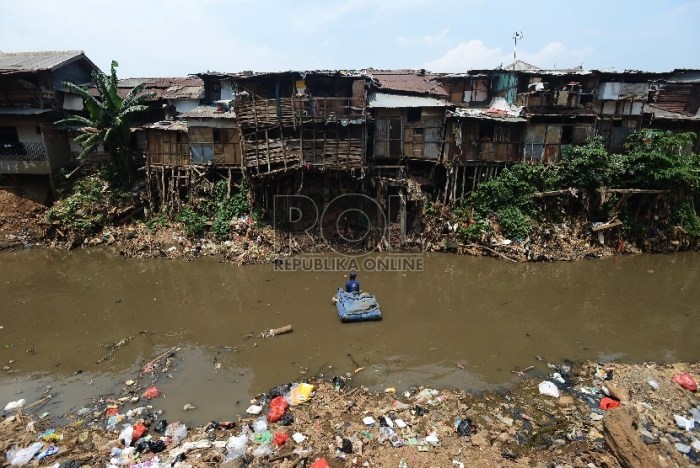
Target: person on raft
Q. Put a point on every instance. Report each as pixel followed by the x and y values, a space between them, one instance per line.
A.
pixel 352 285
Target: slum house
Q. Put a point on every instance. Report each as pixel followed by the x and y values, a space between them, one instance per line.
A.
pixel 199 140
pixel 408 111
pixel 558 107
pixel 32 98
pixel 620 101
pixel 314 119
pixel 483 130
pixel 674 104
pixel 170 96
pixel 304 133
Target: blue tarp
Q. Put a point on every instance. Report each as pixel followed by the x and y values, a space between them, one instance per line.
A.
pixel 357 307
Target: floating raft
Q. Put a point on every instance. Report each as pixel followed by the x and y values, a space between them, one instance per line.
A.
pixel 357 307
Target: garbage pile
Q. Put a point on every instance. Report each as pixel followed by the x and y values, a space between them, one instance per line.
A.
pixel 606 415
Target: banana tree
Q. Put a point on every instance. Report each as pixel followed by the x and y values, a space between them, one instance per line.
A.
pixel 107 121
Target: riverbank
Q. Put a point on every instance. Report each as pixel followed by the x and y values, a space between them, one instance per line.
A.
pixel 350 426
pixel 24 225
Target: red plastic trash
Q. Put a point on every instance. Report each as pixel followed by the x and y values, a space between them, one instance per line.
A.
pixel 278 406
pixel 112 411
pixel 281 438
pixel 151 392
pixel 320 463
pixel 138 430
pixel 608 403
pixel 686 381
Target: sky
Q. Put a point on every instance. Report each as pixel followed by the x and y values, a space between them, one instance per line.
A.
pixel 179 37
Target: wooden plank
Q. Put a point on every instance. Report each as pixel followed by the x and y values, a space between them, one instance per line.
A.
pixel 609 225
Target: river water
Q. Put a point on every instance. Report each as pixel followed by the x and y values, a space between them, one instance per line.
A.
pixel 462 322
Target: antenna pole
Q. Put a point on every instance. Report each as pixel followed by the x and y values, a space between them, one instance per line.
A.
pixel 516 35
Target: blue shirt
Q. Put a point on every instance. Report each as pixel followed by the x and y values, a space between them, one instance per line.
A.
pixel 352 286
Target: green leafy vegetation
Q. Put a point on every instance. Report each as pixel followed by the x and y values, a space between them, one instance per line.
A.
pixel 514 223
pixel 107 122
pixel 652 160
pixel 160 220
pixel 473 231
pixel 684 216
pixel 214 207
pixel 88 204
pixel 586 166
pixel 195 223
pixel 227 208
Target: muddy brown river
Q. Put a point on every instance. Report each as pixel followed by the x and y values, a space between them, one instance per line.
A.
pixel 463 322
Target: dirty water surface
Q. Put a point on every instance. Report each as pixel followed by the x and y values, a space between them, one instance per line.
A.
pixel 463 322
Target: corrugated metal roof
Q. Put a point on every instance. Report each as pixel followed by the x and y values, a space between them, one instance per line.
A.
pixel 244 75
pixel 410 81
pixel 386 100
pixel 682 98
pixel 519 65
pixel 190 87
pixel 208 112
pixel 660 114
pixel 168 125
pixel 528 68
pixel 36 61
pixel 559 112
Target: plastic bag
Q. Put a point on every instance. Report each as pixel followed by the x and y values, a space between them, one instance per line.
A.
pixel 608 403
pixel 277 408
pixel 156 446
pixel 684 423
pixel 141 445
pixel 686 381
pixel 139 430
pixel 279 390
pixel 262 451
pixel 465 427
pixel 320 463
pixel 176 432
pixel 235 447
pixel 346 446
pixel 50 450
pixel 548 388
pixel 287 419
pixel 161 426
pixel 151 392
pixel 259 425
pixel 262 438
pixel 300 393
pixel 280 438
pixel 23 456
pixel 13 405
pixel 127 434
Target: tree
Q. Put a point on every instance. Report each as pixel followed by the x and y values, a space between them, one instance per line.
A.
pixel 661 160
pixel 587 166
pixel 107 122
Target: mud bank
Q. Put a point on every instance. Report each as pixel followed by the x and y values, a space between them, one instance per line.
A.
pixel 255 244
pixel 350 426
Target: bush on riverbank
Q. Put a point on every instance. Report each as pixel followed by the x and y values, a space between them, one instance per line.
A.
pixel 652 188
pixel 89 204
